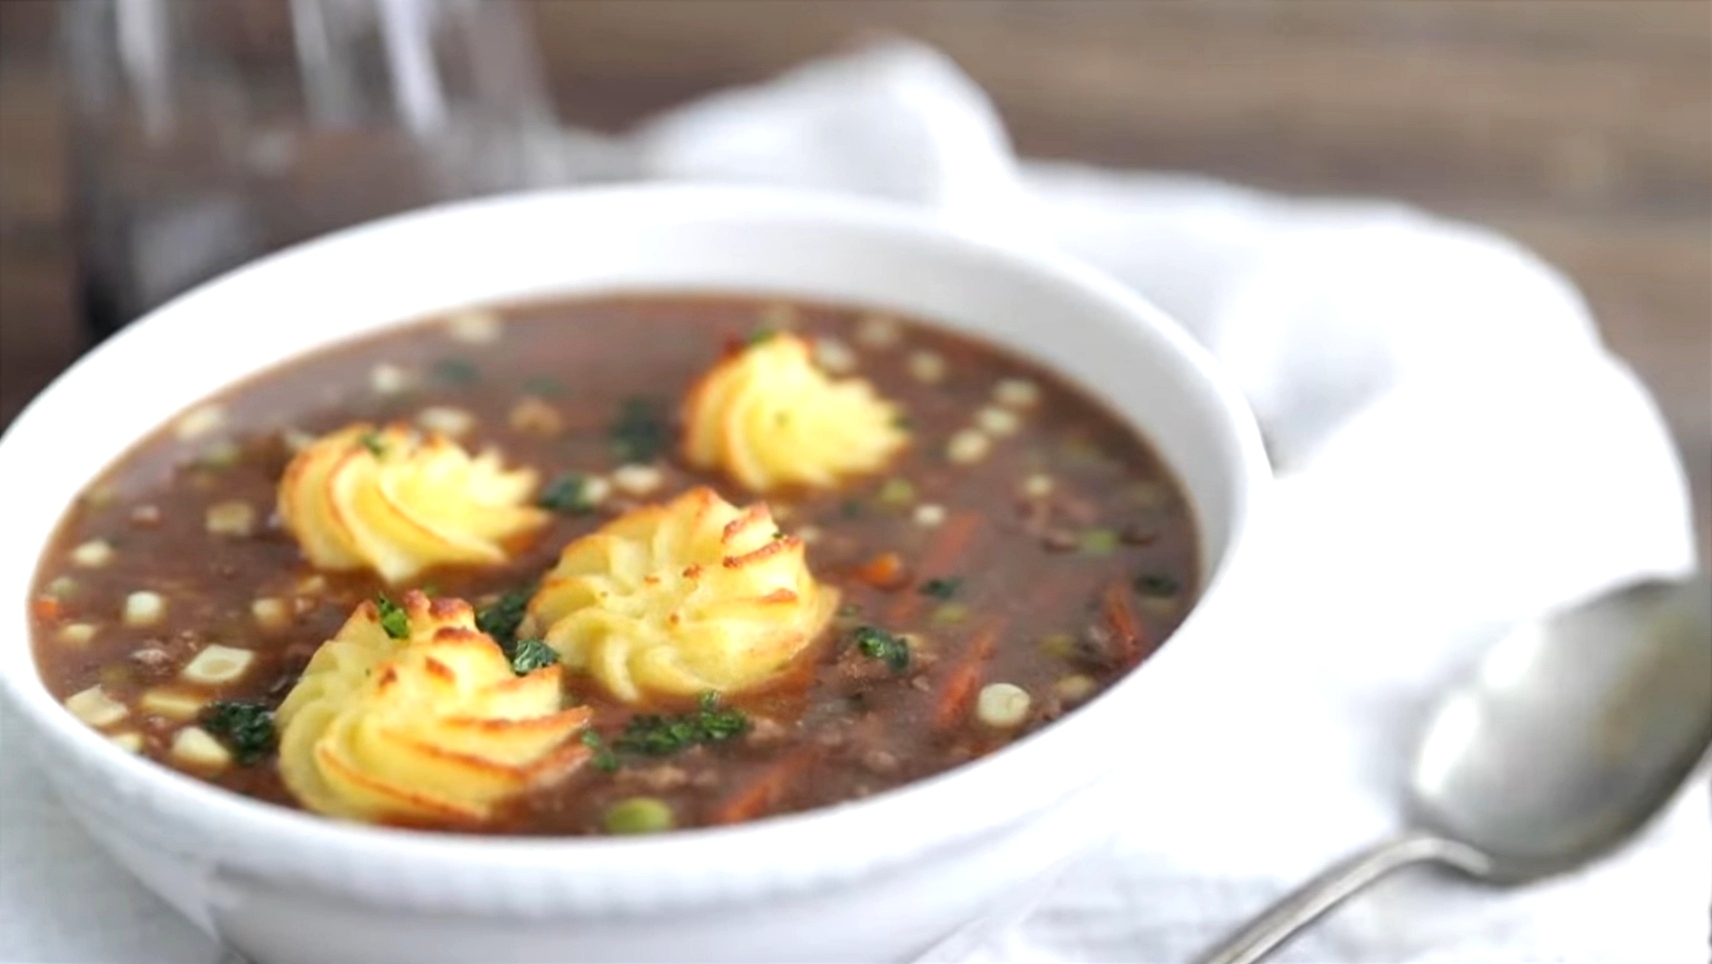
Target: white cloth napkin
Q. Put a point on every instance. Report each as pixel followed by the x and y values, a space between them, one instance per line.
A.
pixel 1456 450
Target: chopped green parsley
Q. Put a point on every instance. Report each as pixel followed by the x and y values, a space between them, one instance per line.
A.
pixel 393 618
pixel 453 371
pixel 604 759
pixel 501 619
pixel 1155 584
pixel 876 643
pixel 245 727
pixel 941 589
pixel 640 432
pixel 530 655
pixel 663 735
pixel 372 442
pixel 567 495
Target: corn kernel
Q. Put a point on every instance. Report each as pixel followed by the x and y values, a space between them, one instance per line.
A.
pixel 1016 393
pixel 878 331
pixel 448 421
pixel 271 614
pixel 533 415
pixel 927 366
pixel 220 455
pixel 144 609
pixel 388 379
pixel 93 554
pixel 596 488
pixel 1002 705
pixel 997 421
pixel 1074 688
pixel 834 356
pixel 474 327
pixel 637 480
pixel 968 446
pixel 234 518
pixel 199 422
pixel 929 514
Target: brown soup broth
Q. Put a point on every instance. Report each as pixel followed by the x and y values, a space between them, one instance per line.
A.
pixel 1043 548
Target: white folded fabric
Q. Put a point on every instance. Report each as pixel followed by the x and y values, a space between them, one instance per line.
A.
pixel 1456 450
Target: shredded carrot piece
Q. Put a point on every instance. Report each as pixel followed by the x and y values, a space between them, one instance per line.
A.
pixel 45 607
pixel 944 557
pixel 884 571
pixel 1131 639
pixel 964 679
pixel 761 795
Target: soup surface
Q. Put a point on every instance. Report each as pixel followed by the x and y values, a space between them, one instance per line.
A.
pixel 1023 552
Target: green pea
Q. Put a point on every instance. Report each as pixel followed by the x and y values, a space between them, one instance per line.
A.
pixel 220 455
pixel 949 614
pixel 1059 645
pixel 1098 542
pixel 638 815
pixel 896 492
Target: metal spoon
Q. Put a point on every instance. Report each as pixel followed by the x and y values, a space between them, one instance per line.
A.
pixel 1572 734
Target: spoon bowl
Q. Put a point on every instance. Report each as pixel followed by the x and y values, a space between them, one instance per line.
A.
pixel 1573 731
pixel 1572 734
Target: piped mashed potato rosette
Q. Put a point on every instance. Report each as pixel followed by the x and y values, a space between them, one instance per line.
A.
pixel 684 598
pixel 769 417
pixel 399 502
pixel 414 714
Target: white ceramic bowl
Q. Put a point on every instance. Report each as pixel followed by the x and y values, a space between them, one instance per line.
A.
pixel 886 878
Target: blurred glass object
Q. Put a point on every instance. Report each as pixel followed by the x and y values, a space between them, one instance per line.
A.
pixel 208 132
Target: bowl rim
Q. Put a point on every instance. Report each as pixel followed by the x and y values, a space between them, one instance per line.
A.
pixel 369 861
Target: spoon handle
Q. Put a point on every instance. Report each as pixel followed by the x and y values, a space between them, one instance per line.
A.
pixel 1294 912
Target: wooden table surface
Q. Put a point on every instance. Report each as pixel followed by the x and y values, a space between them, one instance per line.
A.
pixel 1582 127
